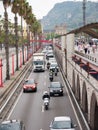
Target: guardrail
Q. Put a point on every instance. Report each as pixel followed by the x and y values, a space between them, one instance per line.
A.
pixel 12 89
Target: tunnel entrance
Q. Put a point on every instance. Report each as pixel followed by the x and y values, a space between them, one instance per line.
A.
pixel 78 88
pixel 94 113
pixel 84 100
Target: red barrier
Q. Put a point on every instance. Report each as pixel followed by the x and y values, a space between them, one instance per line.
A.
pixel 1 83
pixel 12 64
pixel 20 59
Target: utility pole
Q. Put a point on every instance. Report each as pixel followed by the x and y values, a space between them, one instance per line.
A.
pixel 84 9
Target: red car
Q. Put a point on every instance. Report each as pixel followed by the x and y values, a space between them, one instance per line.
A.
pixel 30 85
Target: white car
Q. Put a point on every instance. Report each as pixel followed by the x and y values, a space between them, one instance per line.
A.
pixel 62 123
pixel 53 66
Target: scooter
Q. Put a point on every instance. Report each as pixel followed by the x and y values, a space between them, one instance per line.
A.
pixel 46 103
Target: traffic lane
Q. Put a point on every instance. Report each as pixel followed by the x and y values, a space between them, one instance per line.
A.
pixel 62 105
pixel 29 107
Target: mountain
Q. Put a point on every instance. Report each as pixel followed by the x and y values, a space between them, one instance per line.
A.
pixel 71 14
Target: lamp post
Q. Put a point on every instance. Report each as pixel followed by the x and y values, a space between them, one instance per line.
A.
pixel 22 33
pixel 16 41
pixel 84 8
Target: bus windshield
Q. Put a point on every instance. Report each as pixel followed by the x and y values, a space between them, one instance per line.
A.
pixel 38 62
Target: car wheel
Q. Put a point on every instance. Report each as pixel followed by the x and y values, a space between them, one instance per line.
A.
pixel 51 94
pixel 24 90
pixel 61 94
pixel 35 89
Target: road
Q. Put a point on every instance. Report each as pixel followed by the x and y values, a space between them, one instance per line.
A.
pixel 29 106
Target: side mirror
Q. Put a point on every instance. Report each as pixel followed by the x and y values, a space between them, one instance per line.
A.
pixel 50 125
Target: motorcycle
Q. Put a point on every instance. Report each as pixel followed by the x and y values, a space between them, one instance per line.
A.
pixel 51 78
pixel 48 65
pixel 46 103
pixel 55 73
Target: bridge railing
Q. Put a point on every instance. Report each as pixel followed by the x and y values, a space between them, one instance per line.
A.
pixel 89 57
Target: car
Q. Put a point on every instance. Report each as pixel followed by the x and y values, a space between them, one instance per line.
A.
pixel 62 123
pixel 12 125
pixel 53 66
pixel 30 85
pixel 56 88
pixel 51 60
pixel 49 55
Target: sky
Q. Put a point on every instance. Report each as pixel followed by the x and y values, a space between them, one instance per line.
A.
pixel 40 7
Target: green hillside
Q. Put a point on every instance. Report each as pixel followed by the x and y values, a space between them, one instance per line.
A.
pixel 71 14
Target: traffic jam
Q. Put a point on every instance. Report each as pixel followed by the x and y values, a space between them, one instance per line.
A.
pixel 43 102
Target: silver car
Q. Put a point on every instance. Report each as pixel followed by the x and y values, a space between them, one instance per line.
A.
pixel 62 123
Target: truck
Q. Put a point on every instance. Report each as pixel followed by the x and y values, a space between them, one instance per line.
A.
pixel 38 62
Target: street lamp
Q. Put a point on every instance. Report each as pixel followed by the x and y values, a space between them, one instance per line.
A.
pixel 84 8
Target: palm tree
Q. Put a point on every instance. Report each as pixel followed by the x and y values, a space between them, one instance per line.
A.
pixel 21 13
pixel 15 6
pixel 6 3
pixel 28 16
pixel 36 29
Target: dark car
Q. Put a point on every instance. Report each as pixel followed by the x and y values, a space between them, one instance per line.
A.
pixel 56 88
pixel 12 125
pixel 30 85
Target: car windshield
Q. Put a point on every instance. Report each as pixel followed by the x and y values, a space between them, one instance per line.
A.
pixel 29 82
pixel 61 125
pixel 10 126
pixel 55 85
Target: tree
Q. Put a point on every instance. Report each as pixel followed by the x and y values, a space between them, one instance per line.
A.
pixel 6 3
pixel 15 6
pixel 21 13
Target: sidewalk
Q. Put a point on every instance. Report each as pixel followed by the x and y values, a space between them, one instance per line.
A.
pixel 8 83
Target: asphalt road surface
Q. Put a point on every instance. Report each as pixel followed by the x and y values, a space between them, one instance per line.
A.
pixel 29 106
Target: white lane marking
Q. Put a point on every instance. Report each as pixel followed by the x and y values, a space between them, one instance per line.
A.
pixel 42 108
pixel 45 76
pixel 44 83
pixel 14 105
pixel 72 104
pixel 41 129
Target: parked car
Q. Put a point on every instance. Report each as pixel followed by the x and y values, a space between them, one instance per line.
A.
pixel 30 85
pixel 62 123
pixel 12 125
pixel 56 88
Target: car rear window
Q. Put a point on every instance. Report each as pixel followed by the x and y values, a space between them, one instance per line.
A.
pixel 61 125
pixel 10 126
pixel 55 85
pixel 29 82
